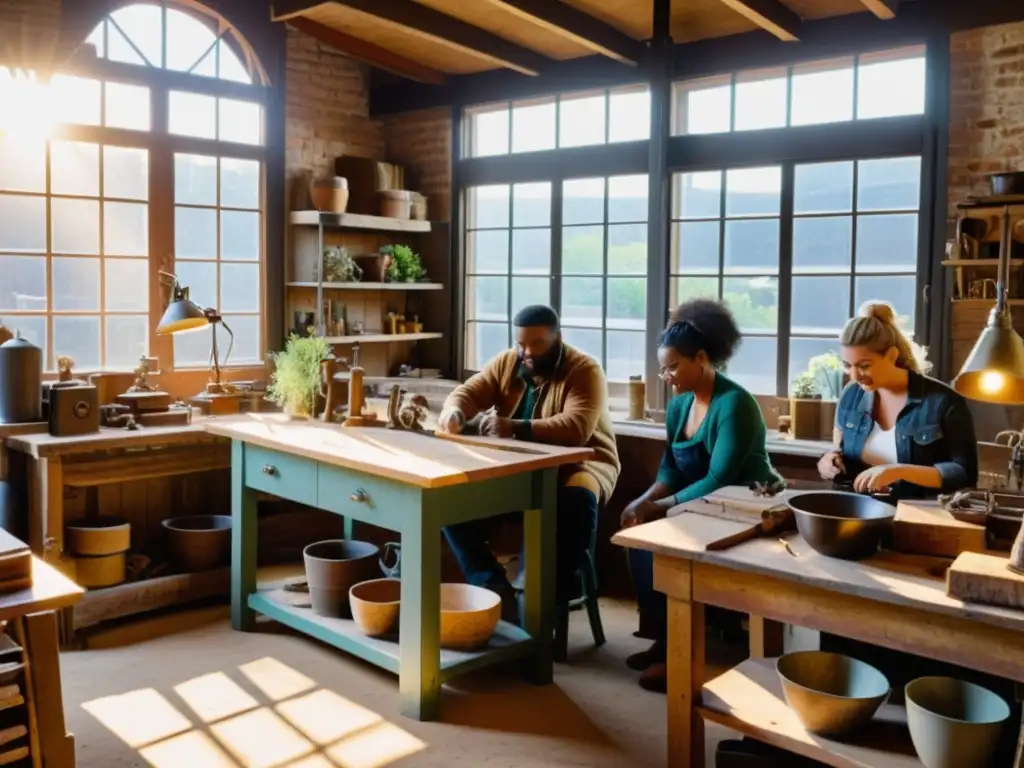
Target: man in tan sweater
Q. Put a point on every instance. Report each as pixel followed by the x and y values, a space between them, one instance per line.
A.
pixel 544 391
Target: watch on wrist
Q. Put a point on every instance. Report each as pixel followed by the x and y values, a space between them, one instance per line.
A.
pixel 523 431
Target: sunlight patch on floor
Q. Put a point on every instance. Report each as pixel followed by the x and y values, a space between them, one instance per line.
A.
pixel 298 725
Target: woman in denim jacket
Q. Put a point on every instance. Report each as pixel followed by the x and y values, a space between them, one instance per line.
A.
pixel 897 431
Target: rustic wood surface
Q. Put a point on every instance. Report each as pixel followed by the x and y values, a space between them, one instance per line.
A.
pixel 925 528
pixel 980 578
pixel 45 445
pixel 50 591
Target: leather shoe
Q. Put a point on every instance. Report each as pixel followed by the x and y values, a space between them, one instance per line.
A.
pixel 655 678
pixel 641 660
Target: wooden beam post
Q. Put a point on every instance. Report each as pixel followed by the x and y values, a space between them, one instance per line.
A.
pixel 770 15
pixel 368 52
pixel 883 9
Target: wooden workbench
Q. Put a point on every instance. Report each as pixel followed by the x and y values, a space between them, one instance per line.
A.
pixel 891 600
pixel 414 484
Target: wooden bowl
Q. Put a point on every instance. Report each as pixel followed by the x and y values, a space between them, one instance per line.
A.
pixel 375 605
pixel 98 536
pixel 468 616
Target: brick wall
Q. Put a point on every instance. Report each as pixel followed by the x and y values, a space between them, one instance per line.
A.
pixel 421 141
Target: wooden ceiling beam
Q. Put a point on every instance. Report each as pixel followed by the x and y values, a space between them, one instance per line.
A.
pixel 425 22
pixel 883 9
pixel 368 52
pixel 580 27
pixel 770 15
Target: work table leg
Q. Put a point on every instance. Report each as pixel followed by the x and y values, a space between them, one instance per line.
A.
pixel 419 622
pixel 539 531
pixel 685 678
pixel 243 542
pixel 766 637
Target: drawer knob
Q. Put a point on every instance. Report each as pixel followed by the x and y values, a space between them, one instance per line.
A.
pixel 270 469
pixel 360 496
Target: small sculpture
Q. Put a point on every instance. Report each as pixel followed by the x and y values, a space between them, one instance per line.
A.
pixel 406 411
pixel 141 383
pixel 64 366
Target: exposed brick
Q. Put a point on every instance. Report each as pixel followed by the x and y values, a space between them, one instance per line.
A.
pixel 421 142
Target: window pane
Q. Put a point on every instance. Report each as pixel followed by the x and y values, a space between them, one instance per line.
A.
pixel 231 67
pixel 187 40
pixel 822 93
pixel 821 305
pixel 582 250
pixel 195 179
pixel 144 27
pixel 802 350
pixel 239 235
pixel 893 184
pixel 898 291
pixel 698 195
pixel 696 244
pixel 627 303
pixel 488 251
pixel 127 106
pixel 585 340
pixel 581 121
pixel 195 233
pixel 239 183
pixel 127 340
pixel 583 201
pixel 76 284
pixel 200 277
pixel 126 173
pixel 240 122
pixel 207 66
pixel 247 348
pixel 627 355
pixel 891 88
pixel 582 301
pixel 74 168
pixel 119 49
pixel 533 126
pixel 124 286
pixel 192 114
pixel 755 364
pixel 78 338
pixel 887 243
pixel 627 249
pixel 192 349
pixel 75 225
pixel 22 223
pixel 530 290
pixel 125 229
pixel 531 205
pixel 75 99
pixel 629 115
pixel 31 327
pixel 822 244
pixel 488 207
pixel 704 109
pixel 761 100
pixel 239 288
pixel 22 165
pixel 627 198
pixel 489 132
pixel 487 298
pixel 753 191
pixel 486 341
pixel 823 188
pixel 687 288
pixel 752 246
pixel 754 302
pixel 531 251
pixel 22 283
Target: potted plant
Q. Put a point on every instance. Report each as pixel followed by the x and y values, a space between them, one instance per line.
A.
pixel 405 265
pixel 827 370
pixel 805 408
pixel 295 384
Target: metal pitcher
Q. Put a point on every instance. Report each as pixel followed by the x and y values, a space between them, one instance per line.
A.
pixel 392 571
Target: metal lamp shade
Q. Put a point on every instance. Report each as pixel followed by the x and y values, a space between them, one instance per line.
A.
pixel 994 371
pixel 182 315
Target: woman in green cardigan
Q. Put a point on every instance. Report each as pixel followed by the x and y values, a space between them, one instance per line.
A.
pixel 716 437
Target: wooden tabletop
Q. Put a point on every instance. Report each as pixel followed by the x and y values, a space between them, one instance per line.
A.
pixel 912 580
pixel 417 458
pixel 50 591
pixel 42 444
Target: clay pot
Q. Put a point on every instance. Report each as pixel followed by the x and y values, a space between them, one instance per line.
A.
pixel 375 605
pixel 954 723
pixel 469 615
pixel 419 206
pixel 395 203
pixel 333 567
pixel 330 195
pixel 198 542
pixel 98 536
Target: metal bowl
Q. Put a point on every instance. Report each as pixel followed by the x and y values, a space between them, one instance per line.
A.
pixel 842 524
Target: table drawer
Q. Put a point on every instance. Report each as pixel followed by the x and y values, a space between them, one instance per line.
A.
pixel 284 475
pixel 366 497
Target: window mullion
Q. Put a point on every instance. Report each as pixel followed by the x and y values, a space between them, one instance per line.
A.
pixel 161 224
pixel 785 279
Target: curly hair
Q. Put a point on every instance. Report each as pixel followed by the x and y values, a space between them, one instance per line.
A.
pixel 703 324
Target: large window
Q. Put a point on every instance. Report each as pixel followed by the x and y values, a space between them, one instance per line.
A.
pixel 116 165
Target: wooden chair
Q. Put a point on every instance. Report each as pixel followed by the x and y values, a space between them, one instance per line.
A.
pixel 587 576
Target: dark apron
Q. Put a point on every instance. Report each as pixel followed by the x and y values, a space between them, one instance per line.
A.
pixel 692 461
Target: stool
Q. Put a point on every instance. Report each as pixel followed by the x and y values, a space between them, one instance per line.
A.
pixel 587 576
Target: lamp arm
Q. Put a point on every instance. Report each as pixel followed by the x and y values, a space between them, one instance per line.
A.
pixel 231 340
pixel 1005 243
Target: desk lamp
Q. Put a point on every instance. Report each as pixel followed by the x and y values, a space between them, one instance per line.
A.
pixel 994 370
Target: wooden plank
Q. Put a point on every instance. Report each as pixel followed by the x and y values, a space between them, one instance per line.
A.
pixel 883 9
pixel 927 528
pixel 45 445
pixel 409 457
pixel 749 699
pixel 978 578
pixel 50 591
pixel 358 221
pixel 383 338
pixel 685 663
pixel 144 466
pixel 372 287
pixel 56 745
pixel 770 15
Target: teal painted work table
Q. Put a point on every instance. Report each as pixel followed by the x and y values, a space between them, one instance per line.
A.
pixel 413 484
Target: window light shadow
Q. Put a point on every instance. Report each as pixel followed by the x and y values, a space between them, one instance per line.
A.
pixel 139 717
pixel 261 739
pixel 275 680
pixel 325 717
pixel 215 696
pixel 375 747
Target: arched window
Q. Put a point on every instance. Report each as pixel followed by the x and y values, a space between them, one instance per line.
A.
pixel 145 152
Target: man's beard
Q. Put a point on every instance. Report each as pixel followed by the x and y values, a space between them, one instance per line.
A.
pixel 544 365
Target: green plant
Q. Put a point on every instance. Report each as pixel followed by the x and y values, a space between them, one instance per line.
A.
pixel 339 267
pixel 804 387
pixel 405 266
pixel 295 382
pixel 827 370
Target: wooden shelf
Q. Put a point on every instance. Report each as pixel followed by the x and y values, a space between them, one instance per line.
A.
pixel 371 286
pixel 979 262
pixel 382 338
pixel 749 699
pixel 358 221
pixel 986 302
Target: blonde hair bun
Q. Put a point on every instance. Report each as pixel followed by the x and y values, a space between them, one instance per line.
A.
pixel 882 311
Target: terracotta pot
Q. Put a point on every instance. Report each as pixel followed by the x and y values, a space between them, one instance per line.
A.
pixel 395 203
pixel 375 606
pixel 330 195
pixel 98 536
pixel 198 542
pixel 333 567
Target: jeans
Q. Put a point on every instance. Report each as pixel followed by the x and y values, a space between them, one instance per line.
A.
pixel 577 516
pixel 652 603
